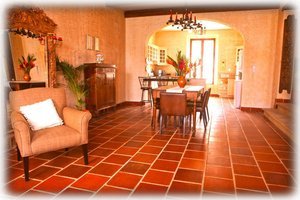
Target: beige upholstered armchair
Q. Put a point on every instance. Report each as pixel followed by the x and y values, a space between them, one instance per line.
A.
pixel 73 132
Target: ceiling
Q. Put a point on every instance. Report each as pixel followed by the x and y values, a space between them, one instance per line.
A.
pixel 136 8
pixel 209 25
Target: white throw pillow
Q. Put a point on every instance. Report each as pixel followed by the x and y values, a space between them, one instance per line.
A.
pixel 41 115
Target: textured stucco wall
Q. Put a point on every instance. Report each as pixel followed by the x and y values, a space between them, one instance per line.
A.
pixel 259 31
pixel 73 24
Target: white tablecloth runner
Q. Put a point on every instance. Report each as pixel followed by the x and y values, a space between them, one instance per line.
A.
pixel 178 89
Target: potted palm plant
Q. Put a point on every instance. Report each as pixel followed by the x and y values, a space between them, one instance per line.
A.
pixel 75 84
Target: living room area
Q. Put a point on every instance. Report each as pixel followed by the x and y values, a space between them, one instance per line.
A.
pixel 87 59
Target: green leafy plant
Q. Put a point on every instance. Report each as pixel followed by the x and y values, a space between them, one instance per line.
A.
pixel 181 64
pixel 72 76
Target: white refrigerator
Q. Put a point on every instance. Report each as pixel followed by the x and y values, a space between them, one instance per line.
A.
pixel 237 93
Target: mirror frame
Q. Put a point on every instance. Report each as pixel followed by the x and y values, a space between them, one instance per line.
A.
pixel 35 20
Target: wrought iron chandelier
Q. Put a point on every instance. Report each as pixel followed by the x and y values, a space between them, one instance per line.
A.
pixel 186 22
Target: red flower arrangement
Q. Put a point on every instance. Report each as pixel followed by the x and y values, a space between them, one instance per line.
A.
pixel 27 64
pixel 181 65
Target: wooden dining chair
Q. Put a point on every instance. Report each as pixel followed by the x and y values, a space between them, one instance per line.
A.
pixel 206 106
pixel 145 87
pixel 174 104
pixel 202 107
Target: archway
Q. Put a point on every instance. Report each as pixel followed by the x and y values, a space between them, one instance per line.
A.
pixel 227 55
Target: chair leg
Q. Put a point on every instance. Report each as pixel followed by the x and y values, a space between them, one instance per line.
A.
pixel 85 154
pixel 151 99
pixel 204 119
pixel 206 108
pixel 184 120
pixel 158 116
pixel 142 99
pixel 190 122
pixel 160 123
pixel 18 154
pixel 26 168
pixel 200 116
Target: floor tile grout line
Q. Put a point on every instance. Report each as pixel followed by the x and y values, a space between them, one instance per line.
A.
pixel 157 133
pixel 137 130
pixel 41 181
pixel 91 169
pixel 288 171
pixel 119 170
pixel 261 173
pixel 44 164
pixel 175 172
pixel 276 131
pixel 229 149
pixel 41 191
pixel 206 154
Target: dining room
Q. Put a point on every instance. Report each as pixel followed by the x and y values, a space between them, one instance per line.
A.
pixel 144 133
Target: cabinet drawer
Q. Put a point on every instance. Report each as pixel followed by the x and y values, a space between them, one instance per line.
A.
pixel 105 70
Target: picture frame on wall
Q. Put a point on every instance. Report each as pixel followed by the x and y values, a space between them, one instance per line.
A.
pixel 89 42
pixel 97 44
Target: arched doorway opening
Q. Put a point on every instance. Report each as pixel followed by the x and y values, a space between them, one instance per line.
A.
pixel 218 53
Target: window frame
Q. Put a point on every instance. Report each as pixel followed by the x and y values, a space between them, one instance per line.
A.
pixel 202 53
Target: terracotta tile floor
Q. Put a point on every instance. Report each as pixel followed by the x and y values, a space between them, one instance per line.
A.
pixel 239 154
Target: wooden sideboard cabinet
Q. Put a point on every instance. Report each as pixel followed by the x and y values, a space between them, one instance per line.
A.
pixel 101 83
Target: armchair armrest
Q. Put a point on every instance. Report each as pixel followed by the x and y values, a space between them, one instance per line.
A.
pixel 78 120
pixel 22 133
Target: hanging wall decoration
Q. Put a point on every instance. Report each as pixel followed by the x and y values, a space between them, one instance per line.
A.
pixel 33 22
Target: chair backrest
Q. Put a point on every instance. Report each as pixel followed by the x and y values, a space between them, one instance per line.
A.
pixel 206 97
pixel 174 104
pixel 34 95
pixel 144 83
pixel 198 81
pixel 162 83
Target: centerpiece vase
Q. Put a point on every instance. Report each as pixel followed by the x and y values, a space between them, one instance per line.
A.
pixel 27 76
pixel 181 81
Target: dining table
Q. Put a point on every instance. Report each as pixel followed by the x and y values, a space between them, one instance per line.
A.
pixel 192 92
pixel 160 80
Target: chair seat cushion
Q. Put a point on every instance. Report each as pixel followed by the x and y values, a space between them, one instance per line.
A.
pixel 41 115
pixel 54 138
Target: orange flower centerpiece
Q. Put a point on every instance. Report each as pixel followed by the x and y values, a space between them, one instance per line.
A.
pixel 181 66
pixel 26 65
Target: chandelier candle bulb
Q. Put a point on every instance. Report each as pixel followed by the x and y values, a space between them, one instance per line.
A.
pixel 186 22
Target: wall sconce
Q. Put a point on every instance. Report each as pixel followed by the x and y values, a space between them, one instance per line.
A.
pixel 56 40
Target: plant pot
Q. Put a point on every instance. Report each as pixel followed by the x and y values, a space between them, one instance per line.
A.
pixel 181 81
pixel 27 76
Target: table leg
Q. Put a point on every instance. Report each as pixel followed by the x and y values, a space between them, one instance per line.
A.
pixel 194 117
pixel 154 113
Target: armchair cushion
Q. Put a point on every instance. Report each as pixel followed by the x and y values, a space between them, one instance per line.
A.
pixel 41 115
pixel 54 138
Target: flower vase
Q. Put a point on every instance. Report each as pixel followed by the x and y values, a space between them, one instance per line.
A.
pixel 181 81
pixel 27 76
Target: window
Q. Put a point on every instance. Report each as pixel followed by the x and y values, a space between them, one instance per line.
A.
pixel 203 50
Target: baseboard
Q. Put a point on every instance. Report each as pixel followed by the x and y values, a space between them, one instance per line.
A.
pixel 283 101
pixel 214 95
pixel 251 109
pixel 130 103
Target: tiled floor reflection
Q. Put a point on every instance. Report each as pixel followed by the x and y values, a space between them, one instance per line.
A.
pixel 239 154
